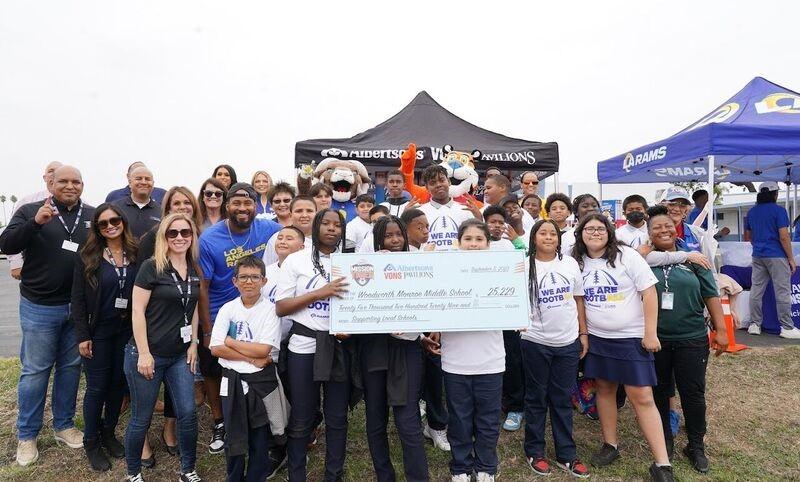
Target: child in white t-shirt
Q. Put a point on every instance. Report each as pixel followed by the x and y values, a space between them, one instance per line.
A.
pixel 552 346
pixel 473 363
pixel 360 227
pixel 246 339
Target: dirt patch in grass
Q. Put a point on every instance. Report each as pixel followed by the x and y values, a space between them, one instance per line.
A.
pixel 753 434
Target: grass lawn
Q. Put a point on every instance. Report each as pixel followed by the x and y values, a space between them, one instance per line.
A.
pixel 753 418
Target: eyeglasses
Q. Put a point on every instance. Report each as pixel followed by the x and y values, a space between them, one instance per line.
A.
pixel 676 204
pixel 249 278
pixel 184 233
pixel 282 201
pixel 209 194
pixel 115 221
pixel 595 229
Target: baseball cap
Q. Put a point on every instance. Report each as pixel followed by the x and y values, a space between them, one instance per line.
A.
pixel 236 191
pixel 676 192
pixel 770 186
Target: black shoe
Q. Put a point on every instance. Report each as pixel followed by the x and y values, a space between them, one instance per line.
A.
pixel 217 444
pixel 277 457
pixel 661 474
pixel 150 462
pixel 108 440
pixel 190 477
pixel 97 459
pixel 605 455
pixel 171 449
pixel 697 457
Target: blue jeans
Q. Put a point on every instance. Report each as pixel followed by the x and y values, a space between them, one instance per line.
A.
pixel 550 374
pixel 176 374
pixel 433 392
pixel 473 402
pixel 48 340
pixel 105 385
pixel 256 466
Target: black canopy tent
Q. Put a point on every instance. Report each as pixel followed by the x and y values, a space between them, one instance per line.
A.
pixel 430 126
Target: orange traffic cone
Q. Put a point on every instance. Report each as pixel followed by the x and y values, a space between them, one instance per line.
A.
pixel 733 347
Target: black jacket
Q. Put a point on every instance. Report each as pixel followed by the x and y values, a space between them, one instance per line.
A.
pixel 85 306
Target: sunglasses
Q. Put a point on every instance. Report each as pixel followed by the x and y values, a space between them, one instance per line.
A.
pixel 281 201
pixel 528 183
pixel 184 233
pixel 209 194
pixel 115 221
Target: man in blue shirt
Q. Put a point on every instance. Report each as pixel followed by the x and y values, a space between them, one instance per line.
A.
pixel 767 225
pixel 221 246
pixel 700 198
pixel 125 192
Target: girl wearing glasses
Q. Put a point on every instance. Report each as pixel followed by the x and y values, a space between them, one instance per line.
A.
pixel 164 344
pixel 316 359
pixel 621 316
pixel 212 202
pixel 101 311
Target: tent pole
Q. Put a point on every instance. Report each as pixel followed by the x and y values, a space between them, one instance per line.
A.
pixel 601 192
pixel 794 203
pixel 711 222
pixel 786 202
pixel 739 223
pixel 555 181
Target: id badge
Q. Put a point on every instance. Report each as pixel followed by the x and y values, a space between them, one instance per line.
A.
pixel 667 299
pixel 69 246
pixel 186 333
pixel 121 303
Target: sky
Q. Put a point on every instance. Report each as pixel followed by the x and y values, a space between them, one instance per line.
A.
pixel 186 85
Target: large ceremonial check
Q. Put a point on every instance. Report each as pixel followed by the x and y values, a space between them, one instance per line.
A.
pixel 430 291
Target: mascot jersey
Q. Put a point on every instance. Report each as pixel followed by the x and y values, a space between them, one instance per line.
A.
pixel 347 208
pixel 443 223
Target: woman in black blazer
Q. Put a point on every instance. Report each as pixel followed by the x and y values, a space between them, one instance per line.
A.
pixel 101 312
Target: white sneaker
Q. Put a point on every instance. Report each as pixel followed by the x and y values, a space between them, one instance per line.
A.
pixel 484 477
pixel 27 453
pixel 754 329
pixel 460 478
pixel 439 438
pixel 134 478
pixel 71 437
pixel 422 409
pixel 792 334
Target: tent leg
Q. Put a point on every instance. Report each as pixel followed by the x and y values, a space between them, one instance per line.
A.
pixel 794 203
pixel 711 221
pixel 601 192
pixel 555 181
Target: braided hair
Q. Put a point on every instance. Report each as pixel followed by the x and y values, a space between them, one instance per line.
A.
pixel 379 232
pixel 315 239
pixel 533 279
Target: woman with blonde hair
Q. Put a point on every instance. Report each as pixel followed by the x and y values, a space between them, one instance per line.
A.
pixel 164 344
pixel 262 183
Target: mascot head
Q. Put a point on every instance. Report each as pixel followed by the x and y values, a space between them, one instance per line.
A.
pixel 460 167
pixel 347 178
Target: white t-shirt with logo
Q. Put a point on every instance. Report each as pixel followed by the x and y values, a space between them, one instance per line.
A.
pixel 257 324
pixel 614 306
pixel 298 277
pixel 443 223
pixel 395 209
pixel 357 230
pixel 555 323
pixel 273 272
pixel 473 352
pixel 633 236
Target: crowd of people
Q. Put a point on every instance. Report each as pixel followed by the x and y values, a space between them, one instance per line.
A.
pixel 223 297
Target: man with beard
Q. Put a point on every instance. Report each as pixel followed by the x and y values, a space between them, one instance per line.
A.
pixel 221 246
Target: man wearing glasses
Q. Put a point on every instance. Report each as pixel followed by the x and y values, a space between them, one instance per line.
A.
pixel 221 246
pixel 529 182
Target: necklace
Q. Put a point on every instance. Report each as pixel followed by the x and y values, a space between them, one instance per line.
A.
pixel 230 236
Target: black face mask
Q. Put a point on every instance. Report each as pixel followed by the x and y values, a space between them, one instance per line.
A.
pixel 635 217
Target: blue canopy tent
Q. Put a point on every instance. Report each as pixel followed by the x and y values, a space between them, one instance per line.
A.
pixel 753 136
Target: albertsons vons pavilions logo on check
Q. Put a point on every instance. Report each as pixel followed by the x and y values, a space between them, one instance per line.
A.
pixel 404 271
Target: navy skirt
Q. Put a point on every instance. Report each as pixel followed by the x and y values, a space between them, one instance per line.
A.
pixel 621 360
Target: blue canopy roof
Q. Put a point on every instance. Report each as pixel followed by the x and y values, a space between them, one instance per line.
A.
pixel 753 136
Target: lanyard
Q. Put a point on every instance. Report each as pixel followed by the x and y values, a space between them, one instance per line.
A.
pixel 70 232
pixel 121 273
pixel 184 298
pixel 667 269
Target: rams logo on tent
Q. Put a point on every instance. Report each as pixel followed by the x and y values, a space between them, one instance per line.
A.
pixel 782 102
pixel 631 160
pixel 722 114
